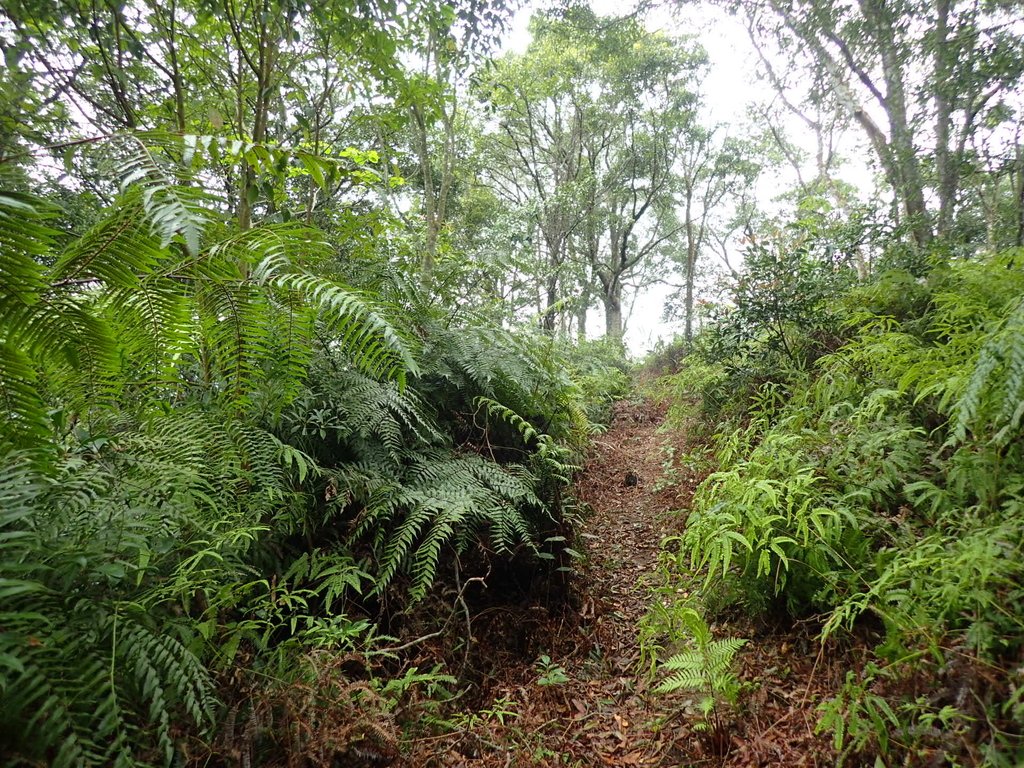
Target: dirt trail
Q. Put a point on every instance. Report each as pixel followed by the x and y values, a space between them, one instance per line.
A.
pixel 622 485
pixel 582 699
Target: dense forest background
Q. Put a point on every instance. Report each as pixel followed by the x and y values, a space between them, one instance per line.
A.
pixel 298 354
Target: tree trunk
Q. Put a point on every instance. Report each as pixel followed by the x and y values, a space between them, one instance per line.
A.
pixel 177 80
pixel 691 265
pixel 429 193
pixel 547 322
pixel 581 315
pixel 688 335
pixel 897 152
pixel 945 164
pixel 1019 184
pixel 265 72
pixel 905 162
pixel 612 299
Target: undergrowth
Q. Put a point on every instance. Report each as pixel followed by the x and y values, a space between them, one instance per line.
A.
pixel 231 466
pixel 882 476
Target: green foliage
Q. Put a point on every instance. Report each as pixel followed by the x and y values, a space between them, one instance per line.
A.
pixel 237 434
pixel 606 90
pixel 705 668
pixel 475 360
pixel 780 303
pixel 443 499
pixel 118 309
pixel 395 475
pixel 216 449
pixel 993 400
pixel 804 482
pixel 863 721
pixel 602 375
pixel 884 479
pixel 767 519
pixel 694 391
pixel 550 673
pixel 73 622
pixel 857 718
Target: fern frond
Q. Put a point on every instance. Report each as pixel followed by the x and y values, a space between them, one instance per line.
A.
pixel 995 390
pixel 371 342
pixel 80 680
pixel 172 209
pixel 706 667
pixel 25 418
pixel 27 329
pixel 683 679
pixel 446 500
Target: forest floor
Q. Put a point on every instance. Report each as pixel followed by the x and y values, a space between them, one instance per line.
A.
pixel 571 689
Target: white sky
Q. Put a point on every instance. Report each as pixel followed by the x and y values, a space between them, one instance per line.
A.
pixel 730 86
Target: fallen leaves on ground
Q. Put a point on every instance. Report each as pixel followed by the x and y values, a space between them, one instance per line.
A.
pixel 603 711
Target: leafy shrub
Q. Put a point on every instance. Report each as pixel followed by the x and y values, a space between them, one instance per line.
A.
pixel 74 620
pixel 693 392
pixel 887 479
pixel 767 517
pixel 216 450
pixel 602 374
pixel 864 722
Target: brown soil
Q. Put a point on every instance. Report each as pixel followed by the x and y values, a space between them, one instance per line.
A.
pixel 592 704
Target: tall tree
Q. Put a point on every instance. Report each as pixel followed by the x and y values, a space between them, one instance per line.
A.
pixel 434 102
pixel 536 149
pixel 647 90
pixel 282 72
pixel 592 118
pixel 920 77
pixel 712 169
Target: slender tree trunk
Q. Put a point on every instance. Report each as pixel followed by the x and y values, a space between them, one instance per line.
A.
pixel 1019 183
pixel 945 164
pixel 554 240
pixel 691 265
pixel 547 322
pixel 688 334
pixel 265 73
pixel 581 315
pixel 177 81
pixel 430 213
pixel 242 202
pixel 896 153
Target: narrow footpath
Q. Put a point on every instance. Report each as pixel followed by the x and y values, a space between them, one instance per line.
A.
pixel 585 699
